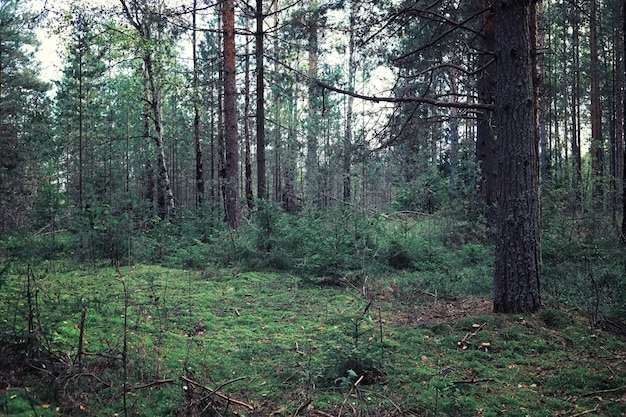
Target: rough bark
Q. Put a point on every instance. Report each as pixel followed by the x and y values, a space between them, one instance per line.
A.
pixel 518 255
pixel 624 124
pixel 230 116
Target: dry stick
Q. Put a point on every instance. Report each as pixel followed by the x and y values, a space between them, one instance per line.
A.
pixel 604 391
pixel 463 343
pixel 358 381
pixel 302 407
pixel 473 381
pixel 151 384
pixel 321 413
pixel 81 339
pixel 582 413
pixel 216 392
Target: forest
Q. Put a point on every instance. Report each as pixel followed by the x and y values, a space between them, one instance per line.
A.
pixel 313 207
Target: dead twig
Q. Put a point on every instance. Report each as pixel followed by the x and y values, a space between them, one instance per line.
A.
pixel 473 381
pixel 463 343
pixel 321 413
pixel 604 391
pixel 302 407
pixel 151 384
pixel 218 393
pixel 582 413
pixel 352 388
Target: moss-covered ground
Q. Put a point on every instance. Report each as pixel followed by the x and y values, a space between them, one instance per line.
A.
pixel 155 341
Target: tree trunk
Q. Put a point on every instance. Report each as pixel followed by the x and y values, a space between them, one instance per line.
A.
pixel 230 116
pixel 624 124
pixel 597 143
pixel 312 141
pixel 347 138
pixel 518 254
pixel 196 118
pixel 165 197
pixel 575 131
pixel 615 135
pixel 246 132
pixel 260 104
pixel 485 137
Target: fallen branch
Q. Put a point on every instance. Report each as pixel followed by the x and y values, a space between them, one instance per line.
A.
pixel 151 384
pixel 582 413
pixel 604 391
pixel 463 344
pixel 302 407
pixel 473 381
pixel 321 413
pixel 218 393
pixel 355 385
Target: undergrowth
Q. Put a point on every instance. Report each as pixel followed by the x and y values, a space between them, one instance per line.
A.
pixel 335 312
pixel 274 342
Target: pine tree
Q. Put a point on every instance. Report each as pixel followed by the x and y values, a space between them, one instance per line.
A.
pixel 22 113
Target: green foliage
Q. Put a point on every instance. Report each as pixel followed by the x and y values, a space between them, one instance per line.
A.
pixel 288 341
pixel 584 268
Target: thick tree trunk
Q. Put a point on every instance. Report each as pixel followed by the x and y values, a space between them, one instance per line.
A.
pixel 518 254
pixel 624 124
pixel 230 116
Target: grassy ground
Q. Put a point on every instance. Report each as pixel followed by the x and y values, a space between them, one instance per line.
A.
pixel 224 341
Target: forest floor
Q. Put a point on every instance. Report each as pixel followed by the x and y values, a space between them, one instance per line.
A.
pixel 231 342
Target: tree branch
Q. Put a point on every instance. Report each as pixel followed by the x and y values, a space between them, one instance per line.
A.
pixel 424 100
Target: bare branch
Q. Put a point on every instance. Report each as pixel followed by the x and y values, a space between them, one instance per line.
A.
pixel 414 99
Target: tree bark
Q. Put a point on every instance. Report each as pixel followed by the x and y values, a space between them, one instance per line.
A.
pixel 142 21
pixel 230 116
pixel 518 254
pixel 196 117
pixel 312 142
pixel 347 138
pixel 485 140
pixel 597 143
pixel 260 103
pixel 249 193
pixel 165 197
pixel 623 235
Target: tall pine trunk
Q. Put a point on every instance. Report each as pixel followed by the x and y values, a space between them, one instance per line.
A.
pixel 196 117
pixel 518 254
pixel 313 130
pixel 231 168
pixel 260 103
pixel 597 143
